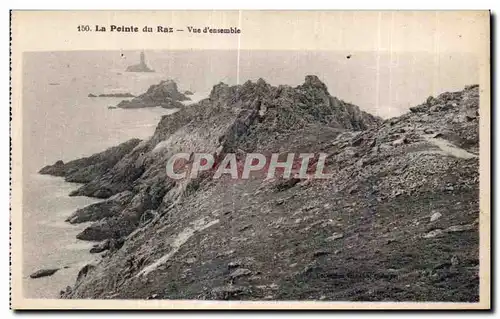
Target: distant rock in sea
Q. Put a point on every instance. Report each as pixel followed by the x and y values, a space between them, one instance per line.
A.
pixel 165 94
pixel 43 273
pixel 188 92
pixel 141 67
pixel 112 95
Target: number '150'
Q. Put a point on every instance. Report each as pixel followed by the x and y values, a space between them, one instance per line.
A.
pixel 83 28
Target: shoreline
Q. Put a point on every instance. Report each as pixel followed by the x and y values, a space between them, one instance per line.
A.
pixel 68 254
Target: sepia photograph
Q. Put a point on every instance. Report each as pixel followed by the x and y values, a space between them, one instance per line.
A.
pixel 349 172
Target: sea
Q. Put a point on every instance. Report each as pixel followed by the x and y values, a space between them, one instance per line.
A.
pixel 60 121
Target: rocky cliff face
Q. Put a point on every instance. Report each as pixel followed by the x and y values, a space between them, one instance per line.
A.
pixel 165 94
pixel 398 220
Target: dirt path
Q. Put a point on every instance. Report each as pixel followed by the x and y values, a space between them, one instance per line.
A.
pixel 450 149
pixel 177 242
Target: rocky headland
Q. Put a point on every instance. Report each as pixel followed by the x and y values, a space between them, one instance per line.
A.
pixel 164 94
pixel 397 221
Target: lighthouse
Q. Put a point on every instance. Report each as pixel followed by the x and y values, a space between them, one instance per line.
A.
pixel 143 58
pixel 141 67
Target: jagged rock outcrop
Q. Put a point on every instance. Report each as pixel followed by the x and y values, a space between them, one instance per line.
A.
pixel 100 210
pixel 108 244
pixel 366 233
pixel 86 169
pixel 165 94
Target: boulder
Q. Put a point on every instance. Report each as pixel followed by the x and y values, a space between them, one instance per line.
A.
pixel 44 273
pixel 240 272
pixel 435 216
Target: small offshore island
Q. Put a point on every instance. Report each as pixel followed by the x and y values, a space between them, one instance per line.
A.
pixel 141 67
pixel 127 94
pixel 164 94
